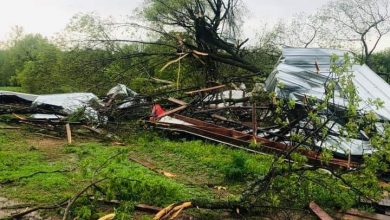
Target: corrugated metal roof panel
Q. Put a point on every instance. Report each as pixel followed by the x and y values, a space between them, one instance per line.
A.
pixel 296 77
pixel 23 96
pixel 370 86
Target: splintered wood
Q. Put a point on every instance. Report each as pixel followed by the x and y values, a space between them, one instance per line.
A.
pixel 68 133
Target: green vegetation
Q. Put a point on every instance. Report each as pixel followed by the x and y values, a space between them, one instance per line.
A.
pixel 202 171
pixel 81 163
pixel 12 88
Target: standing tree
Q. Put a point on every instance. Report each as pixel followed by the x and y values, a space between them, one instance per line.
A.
pixel 357 21
pixel 301 31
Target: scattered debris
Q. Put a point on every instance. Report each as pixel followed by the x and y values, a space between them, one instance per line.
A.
pixel 52 113
pixel 224 113
pixel 227 116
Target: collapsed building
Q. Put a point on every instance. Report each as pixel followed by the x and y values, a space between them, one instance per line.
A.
pixel 226 116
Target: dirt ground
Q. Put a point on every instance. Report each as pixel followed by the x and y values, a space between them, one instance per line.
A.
pixel 5 204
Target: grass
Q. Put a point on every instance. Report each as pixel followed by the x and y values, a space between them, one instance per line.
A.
pixel 12 88
pixel 198 167
pixel 197 159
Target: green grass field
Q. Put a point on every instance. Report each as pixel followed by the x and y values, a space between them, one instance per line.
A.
pixel 199 169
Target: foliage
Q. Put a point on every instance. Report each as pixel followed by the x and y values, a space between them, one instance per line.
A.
pixel 12 88
pixel 380 62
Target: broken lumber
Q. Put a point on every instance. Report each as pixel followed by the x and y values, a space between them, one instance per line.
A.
pixel 68 133
pixel 319 212
pixel 177 101
pixel 170 112
pixel 354 214
pixel 205 90
pixel 172 211
pixel 108 217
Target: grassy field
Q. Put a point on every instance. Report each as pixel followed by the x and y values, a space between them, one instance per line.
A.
pixel 199 170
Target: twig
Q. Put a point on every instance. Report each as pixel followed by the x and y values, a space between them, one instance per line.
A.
pixel 106 162
pixel 74 198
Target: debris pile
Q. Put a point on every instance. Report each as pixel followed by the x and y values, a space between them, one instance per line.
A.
pixel 226 115
pixel 82 110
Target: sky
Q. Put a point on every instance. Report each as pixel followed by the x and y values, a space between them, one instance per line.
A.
pixel 51 16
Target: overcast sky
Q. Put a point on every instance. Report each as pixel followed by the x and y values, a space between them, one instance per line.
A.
pixel 50 16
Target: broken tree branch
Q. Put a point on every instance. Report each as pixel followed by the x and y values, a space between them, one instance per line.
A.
pixel 74 198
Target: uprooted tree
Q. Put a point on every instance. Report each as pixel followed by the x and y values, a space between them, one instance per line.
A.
pixel 204 32
pixel 211 27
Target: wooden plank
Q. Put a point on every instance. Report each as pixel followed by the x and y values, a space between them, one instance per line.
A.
pixel 177 101
pixel 68 133
pixel 205 90
pixel 367 215
pixel 354 214
pixel 320 213
pixel 173 111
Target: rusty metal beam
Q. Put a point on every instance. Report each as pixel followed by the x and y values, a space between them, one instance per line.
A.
pixel 243 140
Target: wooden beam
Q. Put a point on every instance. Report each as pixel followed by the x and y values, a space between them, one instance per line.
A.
pixel 170 112
pixel 354 214
pixel 319 212
pixel 68 133
pixel 177 101
pixel 205 90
